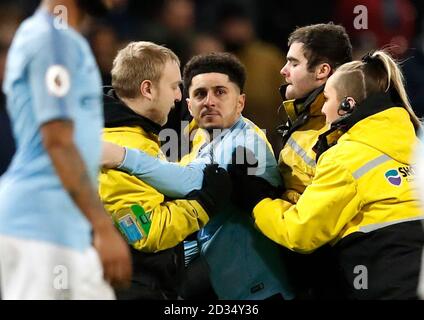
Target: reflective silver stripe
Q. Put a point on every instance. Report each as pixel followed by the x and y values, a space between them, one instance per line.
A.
pixel 300 152
pixel 370 165
pixel 376 226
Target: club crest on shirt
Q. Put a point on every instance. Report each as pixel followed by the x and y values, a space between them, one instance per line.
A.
pixel 58 81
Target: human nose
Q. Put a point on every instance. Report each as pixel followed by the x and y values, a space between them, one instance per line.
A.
pixel 210 99
pixel 284 70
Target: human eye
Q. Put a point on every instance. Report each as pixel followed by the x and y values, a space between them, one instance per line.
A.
pixel 199 94
pixel 220 91
pixel 293 63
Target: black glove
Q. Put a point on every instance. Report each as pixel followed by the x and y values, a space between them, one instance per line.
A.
pixel 216 189
pixel 248 189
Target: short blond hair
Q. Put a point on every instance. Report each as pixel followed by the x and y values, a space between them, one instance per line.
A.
pixel 137 62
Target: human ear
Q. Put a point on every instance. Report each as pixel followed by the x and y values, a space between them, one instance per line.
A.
pixel 146 88
pixel 351 101
pixel 323 71
pixel 189 106
pixel 241 102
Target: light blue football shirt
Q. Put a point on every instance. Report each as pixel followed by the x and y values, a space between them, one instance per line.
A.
pixel 50 74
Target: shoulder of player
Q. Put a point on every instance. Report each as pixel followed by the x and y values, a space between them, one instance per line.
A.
pixel 38 37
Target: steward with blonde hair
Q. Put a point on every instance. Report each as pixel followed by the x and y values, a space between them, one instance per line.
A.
pixel 137 62
pixel 145 87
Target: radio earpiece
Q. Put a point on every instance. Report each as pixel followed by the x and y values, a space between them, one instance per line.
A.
pixel 345 106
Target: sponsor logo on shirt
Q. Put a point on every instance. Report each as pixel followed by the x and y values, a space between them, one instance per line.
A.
pixel 395 176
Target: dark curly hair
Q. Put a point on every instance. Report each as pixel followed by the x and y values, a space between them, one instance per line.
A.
pixel 324 42
pixel 220 62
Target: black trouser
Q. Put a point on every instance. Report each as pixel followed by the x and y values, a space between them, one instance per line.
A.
pixel 196 284
pixel 156 276
pixel 383 264
pixel 315 276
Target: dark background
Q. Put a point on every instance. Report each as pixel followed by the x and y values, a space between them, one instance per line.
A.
pixel 255 30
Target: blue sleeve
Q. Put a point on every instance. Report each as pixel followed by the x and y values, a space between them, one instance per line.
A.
pixel 169 178
pixel 50 75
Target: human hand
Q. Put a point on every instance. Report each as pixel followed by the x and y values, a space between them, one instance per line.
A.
pixel 216 189
pixel 249 189
pixel 114 254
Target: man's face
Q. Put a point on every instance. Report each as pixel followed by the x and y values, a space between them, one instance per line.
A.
pixel 214 101
pixel 300 81
pixel 166 92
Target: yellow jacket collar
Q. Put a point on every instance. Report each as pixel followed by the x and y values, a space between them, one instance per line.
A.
pixel 378 122
pixel 118 114
pixel 312 104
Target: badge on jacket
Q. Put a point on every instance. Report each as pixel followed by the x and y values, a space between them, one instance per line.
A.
pixel 133 222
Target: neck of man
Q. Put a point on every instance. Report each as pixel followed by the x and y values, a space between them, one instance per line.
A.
pixel 74 14
pixel 306 96
pixel 214 132
pixel 142 108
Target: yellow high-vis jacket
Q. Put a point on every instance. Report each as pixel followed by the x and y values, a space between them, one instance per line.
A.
pixel 171 221
pixel 297 159
pixel 362 184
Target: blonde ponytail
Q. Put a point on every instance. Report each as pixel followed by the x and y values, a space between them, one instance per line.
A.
pixel 396 80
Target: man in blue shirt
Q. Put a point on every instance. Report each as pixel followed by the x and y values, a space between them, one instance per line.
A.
pixel 242 264
pixel 48 202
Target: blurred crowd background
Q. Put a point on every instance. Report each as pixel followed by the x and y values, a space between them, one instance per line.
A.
pixel 255 30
